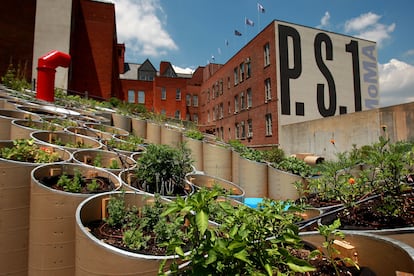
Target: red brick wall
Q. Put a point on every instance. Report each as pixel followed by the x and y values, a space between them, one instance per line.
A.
pixel 93 49
pixel 254 51
pixel 170 105
pixel 17 21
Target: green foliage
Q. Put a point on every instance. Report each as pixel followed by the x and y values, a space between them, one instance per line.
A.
pixel 70 184
pixel 295 166
pixel 194 134
pixel 162 165
pixel 241 243
pixel 26 150
pixel 97 161
pixel 245 152
pixel 114 164
pixel 130 143
pixel 329 232
pixel 116 210
pixel 14 79
pixel 93 185
pixel 274 155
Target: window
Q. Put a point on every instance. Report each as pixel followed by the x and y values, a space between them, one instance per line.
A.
pixel 249 128
pixel 163 93
pixel 208 95
pixel 221 87
pixel 241 70
pixel 188 117
pixel 163 112
pixel 208 116
pixel 221 110
pixel 243 130
pixel 214 113
pixel 248 69
pixel 236 130
pixel 177 114
pixel 222 133
pixel 228 83
pixel 178 94
pixel 229 108
pixel 242 102
pixel 249 98
pixel 266 52
pixel 236 76
pixel 188 100
pixel 195 118
pixel 195 100
pixel 268 124
pixel 268 90
pixel 141 97
pixel 131 96
pixel 236 104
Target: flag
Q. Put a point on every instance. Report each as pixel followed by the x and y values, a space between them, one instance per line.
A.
pixel 249 22
pixel 260 8
pixel 237 33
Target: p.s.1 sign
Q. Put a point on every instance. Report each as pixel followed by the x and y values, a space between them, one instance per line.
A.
pixel 322 74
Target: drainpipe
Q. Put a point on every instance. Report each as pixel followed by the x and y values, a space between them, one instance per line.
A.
pixel 46 71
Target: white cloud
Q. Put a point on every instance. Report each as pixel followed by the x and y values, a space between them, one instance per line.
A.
pixel 141 26
pixel 367 26
pixel 324 20
pixel 187 70
pixel 396 80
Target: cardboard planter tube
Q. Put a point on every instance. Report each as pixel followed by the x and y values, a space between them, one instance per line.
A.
pixel 253 177
pixel 94 257
pixel 121 121
pixel 196 147
pixel 281 184
pixel 139 127
pixel 7 116
pixel 15 210
pixel 153 133
pixel 48 138
pixel 382 255
pixel 21 129
pixel 235 191
pixel 52 220
pixel 107 131
pixel 217 160
pixel 87 156
pixel 171 137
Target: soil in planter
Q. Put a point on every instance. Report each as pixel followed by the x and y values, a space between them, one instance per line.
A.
pixel 177 191
pixel 104 184
pixel 113 236
pixel 366 216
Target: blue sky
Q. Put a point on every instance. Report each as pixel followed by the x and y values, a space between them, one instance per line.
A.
pixel 189 33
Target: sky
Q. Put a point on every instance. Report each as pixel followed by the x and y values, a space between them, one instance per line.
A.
pixel 193 33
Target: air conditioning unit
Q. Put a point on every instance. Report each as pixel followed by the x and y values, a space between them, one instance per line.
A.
pixel 250 135
pixel 235 112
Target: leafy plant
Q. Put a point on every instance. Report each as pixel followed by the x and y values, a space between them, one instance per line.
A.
pixel 161 168
pixel 70 184
pixel 114 164
pixel 97 161
pixel 194 134
pixel 116 210
pixel 295 166
pixel 26 150
pixel 329 232
pixel 15 79
pixel 93 185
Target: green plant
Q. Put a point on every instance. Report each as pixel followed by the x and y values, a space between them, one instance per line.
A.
pixel 15 78
pixel 161 168
pixel 329 232
pixel 97 161
pixel 295 166
pixel 116 210
pixel 274 155
pixel 247 242
pixel 194 134
pixel 114 164
pixel 130 143
pixel 70 184
pixel 26 150
pixel 93 185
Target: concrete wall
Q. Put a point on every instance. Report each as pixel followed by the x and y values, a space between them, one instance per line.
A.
pixel 52 32
pixel 360 128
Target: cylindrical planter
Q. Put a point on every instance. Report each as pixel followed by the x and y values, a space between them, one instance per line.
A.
pixel 381 255
pixel 253 177
pixel 130 182
pixel 97 135
pixel 171 137
pixel 107 132
pixel 7 116
pixel 235 157
pixel 15 209
pixel 217 160
pixel 404 235
pixel 52 219
pixel 196 147
pixel 42 112
pixel 94 257
pixel 92 118
pixel 64 122
pixel 139 127
pixel 121 121
pixel 108 160
pixel 21 129
pixel 281 184
pixel 208 181
pixel 66 140
pixel 153 133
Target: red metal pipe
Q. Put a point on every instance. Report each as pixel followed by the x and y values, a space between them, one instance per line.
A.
pixel 46 71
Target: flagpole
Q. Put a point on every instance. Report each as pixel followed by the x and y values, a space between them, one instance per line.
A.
pixel 258 19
